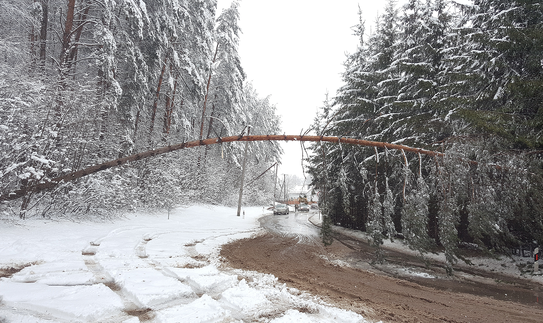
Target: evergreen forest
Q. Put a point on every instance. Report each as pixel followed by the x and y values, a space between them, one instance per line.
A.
pixel 465 80
pixel 88 81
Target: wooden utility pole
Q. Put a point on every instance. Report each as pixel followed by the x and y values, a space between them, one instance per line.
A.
pixel 285 187
pixel 275 184
pixel 243 172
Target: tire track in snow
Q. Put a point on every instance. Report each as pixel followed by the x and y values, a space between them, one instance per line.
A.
pixel 97 242
pixel 190 249
pixel 214 290
pixel 146 312
pixel 102 276
pixel 37 315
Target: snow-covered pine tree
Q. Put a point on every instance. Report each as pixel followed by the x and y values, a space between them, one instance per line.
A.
pixel 494 70
pixel 455 78
pixel 415 212
pixel 418 115
pixel 317 165
pixel 375 224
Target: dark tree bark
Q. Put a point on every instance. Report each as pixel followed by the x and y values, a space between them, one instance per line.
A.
pixel 67 34
pixel 207 92
pixel 170 101
pixel 43 32
pixel 155 102
pixel 82 20
pixel 136 122
pixel 63 59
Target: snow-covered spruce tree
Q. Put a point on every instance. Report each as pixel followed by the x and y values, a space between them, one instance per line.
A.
pixel 415 212
pixel 333 205
pixel 388 212
pixel 319 167
pixel 354 106
pixel 376 78
pixel 370 79
pixel 461 70
pixel 317 161
pixel 385 45
pixel 418 116
pixel 482 196
pixel 355 102
pixel 375 225
pixel 321 162
pixel 492 56
pixel 493 74
pixel 496 197
pixel 449 178
pixel 448 234
pixel 381 207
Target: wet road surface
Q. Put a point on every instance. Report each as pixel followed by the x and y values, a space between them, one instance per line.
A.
pixel 295 224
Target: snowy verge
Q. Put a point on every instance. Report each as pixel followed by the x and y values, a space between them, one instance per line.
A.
pixel 505 265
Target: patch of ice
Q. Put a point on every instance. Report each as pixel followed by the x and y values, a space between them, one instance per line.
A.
pixel 413 273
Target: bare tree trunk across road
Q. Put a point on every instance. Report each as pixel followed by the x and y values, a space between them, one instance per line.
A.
pixel 159 151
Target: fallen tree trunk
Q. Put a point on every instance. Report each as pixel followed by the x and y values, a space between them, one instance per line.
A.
pixel 159 151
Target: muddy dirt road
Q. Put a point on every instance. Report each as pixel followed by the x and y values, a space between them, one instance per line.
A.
pixel 343 275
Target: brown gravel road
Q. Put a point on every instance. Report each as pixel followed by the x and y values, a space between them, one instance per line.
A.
pixel 308 266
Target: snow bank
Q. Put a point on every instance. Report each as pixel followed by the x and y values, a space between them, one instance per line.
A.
pixel 506 265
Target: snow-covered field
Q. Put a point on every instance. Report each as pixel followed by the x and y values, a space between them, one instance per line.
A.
pixel 144 268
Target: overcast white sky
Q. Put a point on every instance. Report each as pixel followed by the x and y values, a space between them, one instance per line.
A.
pixel 293 51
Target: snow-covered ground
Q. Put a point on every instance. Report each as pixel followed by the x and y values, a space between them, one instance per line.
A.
pixel 144 268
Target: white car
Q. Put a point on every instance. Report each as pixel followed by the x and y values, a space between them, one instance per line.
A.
pixel 303 208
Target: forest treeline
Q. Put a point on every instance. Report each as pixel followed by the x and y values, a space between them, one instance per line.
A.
pixel 463 79
pixel 87 81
